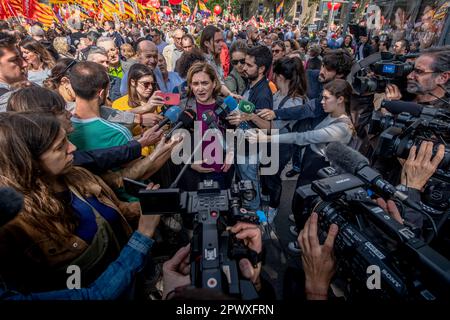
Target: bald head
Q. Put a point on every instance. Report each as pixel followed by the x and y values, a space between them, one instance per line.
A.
pixel 147 53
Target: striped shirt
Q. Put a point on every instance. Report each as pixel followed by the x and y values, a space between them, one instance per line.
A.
pixel 97 133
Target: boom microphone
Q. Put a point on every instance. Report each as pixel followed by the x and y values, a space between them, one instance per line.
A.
pixel 353 162
pixel 398 106
pixel 170 116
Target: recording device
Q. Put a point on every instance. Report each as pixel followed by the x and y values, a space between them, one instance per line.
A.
pixel 171 99
pixel 412 124
pixel 374 73
pixel 215 251
pixel 11 203
pixel 209 117
pixel 171 115
pixel 185 120
pixel 229 104
pixel 370 239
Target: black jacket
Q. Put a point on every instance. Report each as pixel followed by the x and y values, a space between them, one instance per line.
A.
pixel 100 160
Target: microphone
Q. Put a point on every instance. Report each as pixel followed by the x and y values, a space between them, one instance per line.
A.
pixel 229 104
pixel 11 203
pixel 209 117
pixel 352 161
pixel 398 106
pixel 246 106
pixel 171 115
pixel 185 120
pixel 415 109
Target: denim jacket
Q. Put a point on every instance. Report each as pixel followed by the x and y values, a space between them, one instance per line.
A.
pixel 110 285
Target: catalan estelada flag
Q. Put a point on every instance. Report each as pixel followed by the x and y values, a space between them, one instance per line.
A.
pixel 44 14
pixel 185 7
pixel 280 9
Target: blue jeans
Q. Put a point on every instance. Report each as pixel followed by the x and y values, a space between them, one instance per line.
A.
pixel 250 172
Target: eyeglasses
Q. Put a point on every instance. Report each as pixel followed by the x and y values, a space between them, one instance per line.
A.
pixel 147 84
pixel 277 51
pixel 421 72
pixel 235 62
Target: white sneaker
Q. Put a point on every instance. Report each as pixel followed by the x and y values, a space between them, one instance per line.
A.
pixel 291 218
pixel 293 230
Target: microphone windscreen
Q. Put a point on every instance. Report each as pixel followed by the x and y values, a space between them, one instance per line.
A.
pixel 11 203
pixel 208 117
pixel 246 106
pixel 173 113
pixel 397 106
pixel 231 103
pixel 344 157
pixel 187 117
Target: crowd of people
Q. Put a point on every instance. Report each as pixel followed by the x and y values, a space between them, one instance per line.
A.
pixel 80 110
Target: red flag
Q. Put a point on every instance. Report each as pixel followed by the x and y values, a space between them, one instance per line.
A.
pixel 28 8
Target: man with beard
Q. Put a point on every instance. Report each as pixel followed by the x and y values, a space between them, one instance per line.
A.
pixel 257 64
pixel 13 68
pixel 90 83
pixel 428 80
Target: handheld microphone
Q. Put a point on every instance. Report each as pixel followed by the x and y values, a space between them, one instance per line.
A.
pixel 170 116
pixel 185 120
pixel 209 117
pixel 246 106
pixel 229 104
pixel 11 203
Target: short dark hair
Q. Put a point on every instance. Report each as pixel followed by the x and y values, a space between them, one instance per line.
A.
pixel 263 56
pixel 405 44
pixel 7 41
pixel 87 79
pixel 186 60
pixel 338 60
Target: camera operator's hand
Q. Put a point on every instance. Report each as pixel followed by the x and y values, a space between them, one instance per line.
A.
pixel 251 235
pixel 392 92
pixel 318 260
pixel 176 271
pixel 266 114
pixel 391 208
pixel 419 168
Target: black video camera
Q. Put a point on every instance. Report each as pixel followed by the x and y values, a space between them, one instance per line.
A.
pixel 399 132
pixel 369 239
pixel 375 72
pixel 215 251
